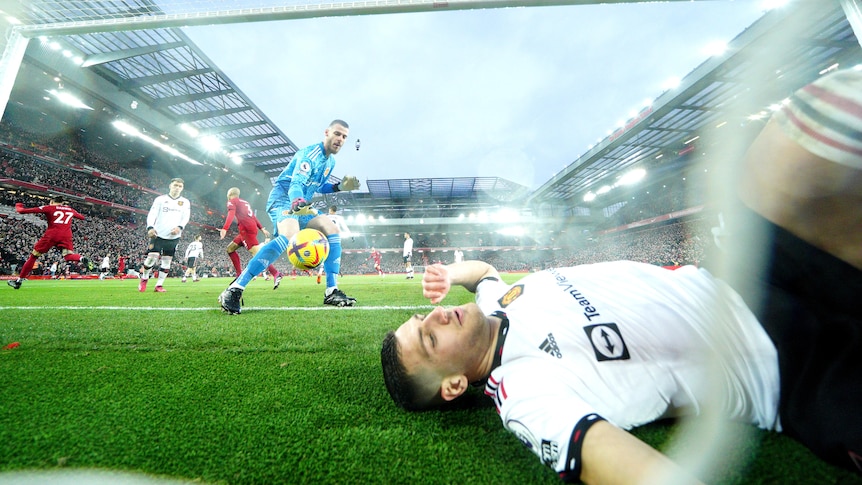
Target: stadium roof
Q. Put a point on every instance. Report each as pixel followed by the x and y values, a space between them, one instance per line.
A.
pixel 164 72
pixel 137 47
pixel 447 188
pixel 782 51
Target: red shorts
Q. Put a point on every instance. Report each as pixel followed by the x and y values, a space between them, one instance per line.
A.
pixel 48 241
pixel 246 239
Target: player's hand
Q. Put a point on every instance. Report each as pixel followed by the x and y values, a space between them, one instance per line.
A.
pixel 301 207
pixel 297 203
pixel 222 233
pixel 266 234
pixel 349 182
pixel 19 206
pixel 435 283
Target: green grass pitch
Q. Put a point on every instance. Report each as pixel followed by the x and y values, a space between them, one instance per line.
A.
pixel 166 385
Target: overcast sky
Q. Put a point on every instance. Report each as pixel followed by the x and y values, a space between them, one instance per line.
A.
pixel 517 93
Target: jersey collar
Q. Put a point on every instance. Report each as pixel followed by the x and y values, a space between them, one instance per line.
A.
pixel 498 350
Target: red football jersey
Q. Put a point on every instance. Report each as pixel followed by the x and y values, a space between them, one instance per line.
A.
pixel 59 217
pixel 245 218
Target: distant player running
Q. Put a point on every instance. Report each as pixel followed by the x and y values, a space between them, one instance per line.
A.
pixel 58 234
pixel 407 255
pixel 121 267
pixel 194 251
pixel 375 255
pixel 105 267
pixel 248 226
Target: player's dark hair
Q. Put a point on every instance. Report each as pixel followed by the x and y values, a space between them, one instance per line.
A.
pixel 339 122
pixel 400 385
pixel 333 208
pixel 177 179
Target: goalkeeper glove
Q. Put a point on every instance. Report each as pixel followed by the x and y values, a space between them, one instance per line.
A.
pixel 349 182
pixel 301 207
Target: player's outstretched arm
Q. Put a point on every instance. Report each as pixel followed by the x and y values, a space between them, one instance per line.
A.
pixel 438 279
pixel 611 455
pixel 19 208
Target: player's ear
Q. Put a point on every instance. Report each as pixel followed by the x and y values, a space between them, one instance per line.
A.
pixel 453 386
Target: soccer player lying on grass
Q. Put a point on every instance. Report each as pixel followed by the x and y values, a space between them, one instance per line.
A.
pixel 573 357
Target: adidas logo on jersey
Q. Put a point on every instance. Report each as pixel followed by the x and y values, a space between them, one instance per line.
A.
pixel 550 346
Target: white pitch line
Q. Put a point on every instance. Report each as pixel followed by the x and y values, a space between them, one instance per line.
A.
pixel 200 309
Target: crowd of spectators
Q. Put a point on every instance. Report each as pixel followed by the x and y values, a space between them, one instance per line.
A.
pixel 671 244
pixel 43 162
pixel 116 232
pixel 667 245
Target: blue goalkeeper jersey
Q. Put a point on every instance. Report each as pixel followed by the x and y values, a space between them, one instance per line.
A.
pixel 306 174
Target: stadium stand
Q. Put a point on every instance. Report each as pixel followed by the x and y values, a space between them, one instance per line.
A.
pixel 112 178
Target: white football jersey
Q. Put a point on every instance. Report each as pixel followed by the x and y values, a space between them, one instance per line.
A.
pixel 168 213
pixel 194 249
pixel 631 342
pixel 408 247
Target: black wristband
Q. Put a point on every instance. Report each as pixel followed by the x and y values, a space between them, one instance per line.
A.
pixel 572 471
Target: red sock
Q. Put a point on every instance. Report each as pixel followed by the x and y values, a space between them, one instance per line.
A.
pixel 28 267
pixel 234 258
pixel 272 271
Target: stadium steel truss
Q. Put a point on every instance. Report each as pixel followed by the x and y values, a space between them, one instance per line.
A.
pixel 136 62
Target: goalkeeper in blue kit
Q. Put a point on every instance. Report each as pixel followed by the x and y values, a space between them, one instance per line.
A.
pixel 290 209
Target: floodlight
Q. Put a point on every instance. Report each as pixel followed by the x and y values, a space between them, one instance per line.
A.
pixel 126 128
pixel 210 143
pixel 632 177
pixel 191 130
pixel 68 99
